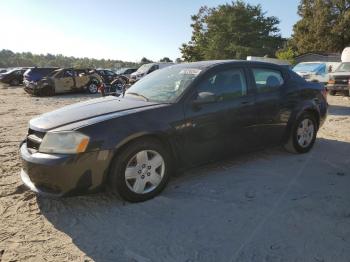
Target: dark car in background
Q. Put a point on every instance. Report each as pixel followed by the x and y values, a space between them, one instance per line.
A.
pixel 13 77
pixel 107 75
pixel 179 116
pixel 126 71
pixel 33 75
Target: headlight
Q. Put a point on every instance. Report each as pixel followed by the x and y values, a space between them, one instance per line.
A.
pixel 64 143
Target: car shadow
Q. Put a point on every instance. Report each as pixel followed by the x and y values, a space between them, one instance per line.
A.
pixel 339 110
pixel 206 213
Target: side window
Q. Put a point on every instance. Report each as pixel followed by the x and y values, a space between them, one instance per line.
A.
pixel 153 68
pixel 225 85
pixel 68 73
pixel 267 80
pixel 109 73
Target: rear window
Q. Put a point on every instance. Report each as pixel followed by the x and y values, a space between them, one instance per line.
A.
pixel 267 80
pixel 42 71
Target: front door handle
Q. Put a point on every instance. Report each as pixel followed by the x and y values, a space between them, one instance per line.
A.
pixel 246 102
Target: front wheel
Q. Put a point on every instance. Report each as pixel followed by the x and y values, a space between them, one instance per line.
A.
pixel 303 134
pixel 141 171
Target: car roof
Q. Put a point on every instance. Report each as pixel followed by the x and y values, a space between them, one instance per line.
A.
pixel 211 63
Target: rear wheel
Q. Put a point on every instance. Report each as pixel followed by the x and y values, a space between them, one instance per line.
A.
pixel 141 171
pixel 303 134
pixel 92 87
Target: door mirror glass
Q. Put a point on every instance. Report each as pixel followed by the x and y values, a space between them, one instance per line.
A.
pixel 205 98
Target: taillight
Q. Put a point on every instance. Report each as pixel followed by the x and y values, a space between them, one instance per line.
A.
pixel 331 81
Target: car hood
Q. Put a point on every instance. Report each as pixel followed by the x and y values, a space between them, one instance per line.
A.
pixel 303 73
pixel 98 107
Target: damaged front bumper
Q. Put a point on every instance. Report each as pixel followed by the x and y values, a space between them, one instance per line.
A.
pixel 63 174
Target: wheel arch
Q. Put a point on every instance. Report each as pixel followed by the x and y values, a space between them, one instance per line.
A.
pixel 159 136
pixel 306 108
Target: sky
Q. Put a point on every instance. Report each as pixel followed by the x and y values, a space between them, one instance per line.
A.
pixel 113 29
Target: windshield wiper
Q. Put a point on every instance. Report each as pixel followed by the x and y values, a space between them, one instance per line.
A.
pixel 137 94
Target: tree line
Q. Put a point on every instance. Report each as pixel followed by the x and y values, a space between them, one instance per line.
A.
pixel 236 30
pixel 27 59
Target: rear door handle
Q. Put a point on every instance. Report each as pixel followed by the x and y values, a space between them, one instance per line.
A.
pixel 246 102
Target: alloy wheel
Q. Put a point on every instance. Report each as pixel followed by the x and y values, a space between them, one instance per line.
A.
pixel 144 171
pixel 305 133
pixel 93 88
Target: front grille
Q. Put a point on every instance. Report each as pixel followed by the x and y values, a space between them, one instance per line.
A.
pixel 341 80
pixel 34 140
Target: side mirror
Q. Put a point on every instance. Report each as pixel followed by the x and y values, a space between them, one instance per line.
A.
pixel 205 98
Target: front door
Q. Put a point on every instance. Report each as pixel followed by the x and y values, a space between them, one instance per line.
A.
pixel 219 116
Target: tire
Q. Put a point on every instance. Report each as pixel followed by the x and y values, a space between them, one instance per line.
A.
pixel 92 87
pixel 332 92
pixel 295 142
pixel 117 87
pixel 49 91
pixel 14 82
pixel 142 174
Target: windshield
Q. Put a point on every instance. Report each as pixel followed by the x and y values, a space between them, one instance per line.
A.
pixel 121 71
pixel 344 67
pixel 307 67
pixel 144 68
pixel 54 72
pixel 163 86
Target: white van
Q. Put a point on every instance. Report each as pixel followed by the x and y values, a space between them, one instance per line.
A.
pixel 146 69
pixel 316 71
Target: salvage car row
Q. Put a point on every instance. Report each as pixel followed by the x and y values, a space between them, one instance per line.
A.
pixel 47 81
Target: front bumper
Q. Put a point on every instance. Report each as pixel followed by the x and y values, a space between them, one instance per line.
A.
pixel 63 174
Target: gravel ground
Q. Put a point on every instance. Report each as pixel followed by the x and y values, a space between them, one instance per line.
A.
pixel 264 206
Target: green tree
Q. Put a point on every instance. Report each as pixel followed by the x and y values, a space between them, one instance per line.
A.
pixel 232 31
pixel 144 60
pixel 323 27
pixel 178 60
pixel 287 54
pixel 166 59
pixel 11 59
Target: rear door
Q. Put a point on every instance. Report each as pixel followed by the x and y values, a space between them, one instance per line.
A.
pixel 64 82
pixel 270 120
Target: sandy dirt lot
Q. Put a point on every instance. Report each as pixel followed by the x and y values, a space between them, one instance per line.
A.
pixel 264 206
